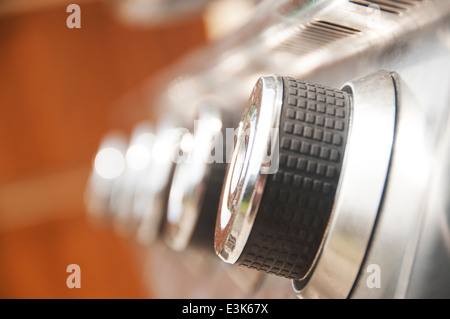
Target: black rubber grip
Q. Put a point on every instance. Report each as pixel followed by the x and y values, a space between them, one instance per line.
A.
pixel 297 200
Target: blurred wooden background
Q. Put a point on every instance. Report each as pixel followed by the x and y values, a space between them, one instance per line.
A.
pixel 58 89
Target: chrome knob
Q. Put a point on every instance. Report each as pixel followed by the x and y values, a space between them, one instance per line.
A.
pixel 196 185
pixel 137 160
pixel 150 197
pixel 279 189
pixel 130 179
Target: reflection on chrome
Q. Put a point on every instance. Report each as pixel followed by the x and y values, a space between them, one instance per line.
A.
pixel 109 164
pixel 138 155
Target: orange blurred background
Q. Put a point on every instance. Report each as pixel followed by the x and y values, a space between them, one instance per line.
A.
pixel 58 94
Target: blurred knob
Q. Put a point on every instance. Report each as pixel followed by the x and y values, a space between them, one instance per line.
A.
pixel 107 167
pixel 131 178
pixel 137 161
pixel 197 182
pixel 150 197
pixel 280 185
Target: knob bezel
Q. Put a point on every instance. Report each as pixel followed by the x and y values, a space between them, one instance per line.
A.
pixel 259 130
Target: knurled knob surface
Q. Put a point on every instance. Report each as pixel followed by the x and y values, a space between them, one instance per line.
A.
pixel 275 221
